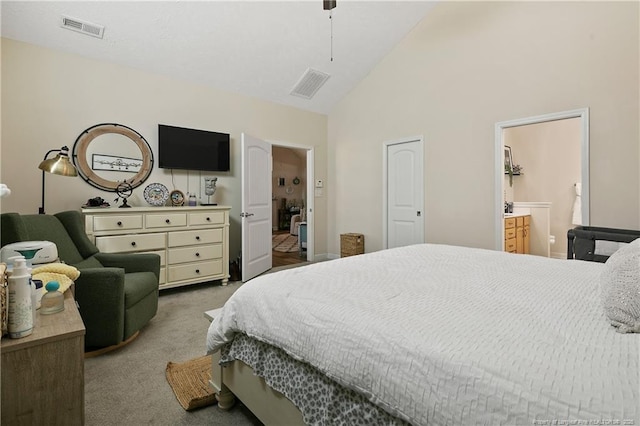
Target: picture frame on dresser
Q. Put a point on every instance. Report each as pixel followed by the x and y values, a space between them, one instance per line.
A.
pixel 192 241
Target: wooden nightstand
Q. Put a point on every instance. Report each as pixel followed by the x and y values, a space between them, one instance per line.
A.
pixel 43 373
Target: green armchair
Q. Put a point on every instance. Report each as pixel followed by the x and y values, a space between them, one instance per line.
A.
pixel 117 294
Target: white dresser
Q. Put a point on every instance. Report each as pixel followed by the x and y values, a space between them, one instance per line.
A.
pixel 193 242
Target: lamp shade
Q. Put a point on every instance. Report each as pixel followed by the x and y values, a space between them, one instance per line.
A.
pixel 60 164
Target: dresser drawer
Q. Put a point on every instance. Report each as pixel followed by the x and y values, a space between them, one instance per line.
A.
pixel 162 278
pixel 195 270
pixel 206 218
pixel 510 222
pixel 187 238
pixel 128 243
pixel 510 245
pixel 113 222
pixel 194 253
pixel 165 220
pixel 509 233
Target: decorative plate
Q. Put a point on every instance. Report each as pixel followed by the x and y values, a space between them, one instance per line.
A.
pixel 156 194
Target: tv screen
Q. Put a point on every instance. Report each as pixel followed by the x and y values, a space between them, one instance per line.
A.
pixel 192 149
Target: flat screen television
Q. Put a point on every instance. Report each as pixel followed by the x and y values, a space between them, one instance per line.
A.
pixel 192 149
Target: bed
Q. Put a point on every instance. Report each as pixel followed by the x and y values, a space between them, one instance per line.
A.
pixel 429 334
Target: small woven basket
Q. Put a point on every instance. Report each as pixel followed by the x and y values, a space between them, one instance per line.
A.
pixel 351 244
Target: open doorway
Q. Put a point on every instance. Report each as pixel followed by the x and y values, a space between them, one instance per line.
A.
pixel 549 180
pixel 289 206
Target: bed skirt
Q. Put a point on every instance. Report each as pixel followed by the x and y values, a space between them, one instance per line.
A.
pixel 320 400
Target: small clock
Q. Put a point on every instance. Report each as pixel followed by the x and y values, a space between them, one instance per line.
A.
pixel 177 198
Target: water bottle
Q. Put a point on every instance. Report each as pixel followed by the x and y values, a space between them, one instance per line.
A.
pixel 20 314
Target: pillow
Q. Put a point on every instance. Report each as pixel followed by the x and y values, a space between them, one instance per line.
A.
pixel 620 288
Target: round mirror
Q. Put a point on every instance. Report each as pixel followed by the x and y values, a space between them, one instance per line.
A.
pixel 108 154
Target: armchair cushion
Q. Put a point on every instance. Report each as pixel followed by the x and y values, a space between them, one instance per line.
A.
pixel 295 220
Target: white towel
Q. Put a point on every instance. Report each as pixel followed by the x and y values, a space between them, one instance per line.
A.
pixel 577 206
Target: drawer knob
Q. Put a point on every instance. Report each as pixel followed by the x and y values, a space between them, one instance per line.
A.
pixel 119 223
pixel 197 254
pixel 197 238
pixel 208 219
pixel 167 221
pixel 133 243
pixel 197 271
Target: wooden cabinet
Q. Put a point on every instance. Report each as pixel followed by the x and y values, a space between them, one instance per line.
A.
pixel 516 234
pixel 43 373
pixel 192 242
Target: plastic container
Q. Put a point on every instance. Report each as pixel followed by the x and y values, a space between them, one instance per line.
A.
pixel 20 315
pixel 52 301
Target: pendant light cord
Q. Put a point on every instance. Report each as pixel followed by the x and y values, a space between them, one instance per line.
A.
pixel 331 19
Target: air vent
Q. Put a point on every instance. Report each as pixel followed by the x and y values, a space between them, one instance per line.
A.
pixel 82 26
pixel 309 83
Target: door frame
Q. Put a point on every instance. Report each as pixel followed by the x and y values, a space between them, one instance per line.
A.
pixel 310 191
pixel 583 114
pixel 385 186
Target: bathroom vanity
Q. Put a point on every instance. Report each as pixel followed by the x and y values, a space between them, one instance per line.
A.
pixel 517 231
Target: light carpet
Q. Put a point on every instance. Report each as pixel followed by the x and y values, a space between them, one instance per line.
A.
pixel 129 387
pixel 285 243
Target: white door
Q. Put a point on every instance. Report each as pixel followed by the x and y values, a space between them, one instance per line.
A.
pixel 256 206
pixel 404 192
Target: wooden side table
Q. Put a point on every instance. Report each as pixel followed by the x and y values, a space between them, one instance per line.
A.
pixel 43 373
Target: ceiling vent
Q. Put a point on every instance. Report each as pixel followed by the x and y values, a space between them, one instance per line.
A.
pixel 82 26
pixel 309 83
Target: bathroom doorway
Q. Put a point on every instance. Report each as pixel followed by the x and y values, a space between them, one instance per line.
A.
pixel 553 152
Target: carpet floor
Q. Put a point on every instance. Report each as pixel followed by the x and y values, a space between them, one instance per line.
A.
pixel 129 387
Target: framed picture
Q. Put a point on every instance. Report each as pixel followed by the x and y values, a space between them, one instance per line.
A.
pixel 119 164
pixel 508 159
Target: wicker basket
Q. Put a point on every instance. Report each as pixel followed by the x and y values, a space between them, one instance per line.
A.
pixel 351 244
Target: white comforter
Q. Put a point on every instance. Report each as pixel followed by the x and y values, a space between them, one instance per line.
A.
pixel 439 334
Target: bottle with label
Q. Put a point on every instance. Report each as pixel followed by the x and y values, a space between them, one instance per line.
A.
pixel 20 314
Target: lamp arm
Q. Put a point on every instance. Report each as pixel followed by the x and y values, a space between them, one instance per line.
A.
pixel 41 209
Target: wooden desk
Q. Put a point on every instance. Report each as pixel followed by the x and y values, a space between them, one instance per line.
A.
pixel 43 373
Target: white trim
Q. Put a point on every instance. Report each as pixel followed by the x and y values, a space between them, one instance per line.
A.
pixel 385 148
pixel 583 114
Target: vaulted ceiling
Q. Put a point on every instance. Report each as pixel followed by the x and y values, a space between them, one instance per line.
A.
pixel 257 48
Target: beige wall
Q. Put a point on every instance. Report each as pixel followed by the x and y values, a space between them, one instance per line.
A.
pixel 49 98
pixel 466 66
pixel 549 154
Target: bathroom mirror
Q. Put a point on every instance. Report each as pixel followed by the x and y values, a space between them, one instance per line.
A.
pixel 108 154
